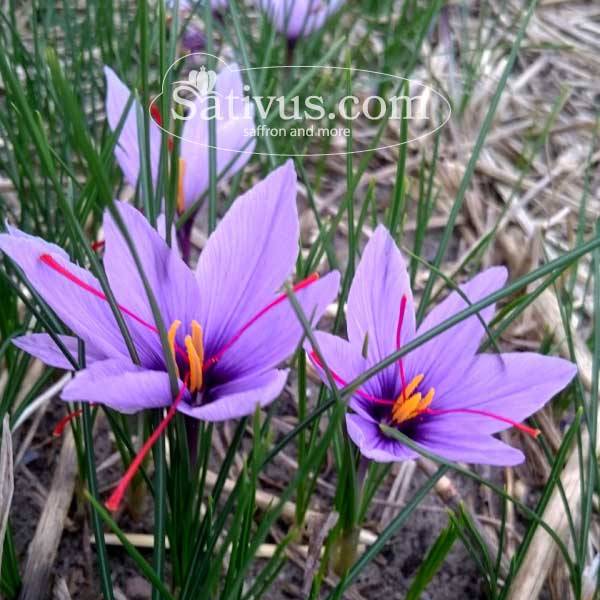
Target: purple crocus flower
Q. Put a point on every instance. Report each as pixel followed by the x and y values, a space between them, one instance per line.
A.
pixel 233 150
pixel 228 326
pixel 188 5
pixel 443 395
pixel 297 18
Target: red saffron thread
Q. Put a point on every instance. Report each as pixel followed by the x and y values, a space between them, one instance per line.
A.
pixel 98 245
pixel 218 355
pixel 116 497
pixel 59 429
pixel 484 413
pixel 155 114
pixel 338 379
pixel 48 260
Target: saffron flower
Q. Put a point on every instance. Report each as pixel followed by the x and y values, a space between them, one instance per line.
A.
pixel 232 147
pixel 298 18
pixel 443 395
pixel 192 37
pixel 229 327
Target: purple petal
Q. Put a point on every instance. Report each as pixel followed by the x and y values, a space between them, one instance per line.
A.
pixel 231 136
pixel 240 397
pixel 298 18
pixel 346 362
pixel 88 316
pixel 471 447
pixel 52 248
pixel 172 282
pixel 248 257
pixel 373 444
pixel 373 308
pixel 275 335
pixel 513 385
pixel 121 385
pixel 445 358
pixel 42 346
pixel 127 150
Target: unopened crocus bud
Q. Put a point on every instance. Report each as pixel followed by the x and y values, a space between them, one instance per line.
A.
pixel 298 18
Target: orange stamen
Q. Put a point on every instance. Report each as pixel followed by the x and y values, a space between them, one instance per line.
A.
pixel 116 497
pixel 171 337
pixel 195 365
pixel 409 404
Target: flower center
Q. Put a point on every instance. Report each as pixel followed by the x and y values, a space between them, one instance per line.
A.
pixel 410 403
pixel 194 348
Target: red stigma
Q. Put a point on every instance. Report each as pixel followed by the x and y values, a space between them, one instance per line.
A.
pixel 278 300
pixel 155 114
pixel 340 381
pixel 99 245
pixel 534 433
pixel 116 497
pixel 157 118
pixel 48 260
pixel 59 428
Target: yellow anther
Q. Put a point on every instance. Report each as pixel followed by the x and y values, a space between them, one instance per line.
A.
pixel 412 386
pixel 180 192
pixel 409 404
pixel 171 337
pixel 427 400
pixel 195 365
pixel 404 410
pixel 197 339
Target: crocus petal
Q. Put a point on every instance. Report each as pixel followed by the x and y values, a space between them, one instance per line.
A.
pixel 161 227
pixel 172 282
pixel 127 150
pixel 371 442
pixel 42 346
pixel 275 335
pixel 231 127
pixel 121 385
pixel 298 18
pixel 53 248
pixel 345 361
pixel 512 385
pixel 89 317
pixel 472 448
pixel 240 397
pixel 373 309
pixel 445 358
pixel 248 257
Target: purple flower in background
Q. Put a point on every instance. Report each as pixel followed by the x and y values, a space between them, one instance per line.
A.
pixel 188 5
pixel 192 37
pixel 233 149
pixel 443 395
pixel 296 18
pixel 229 327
